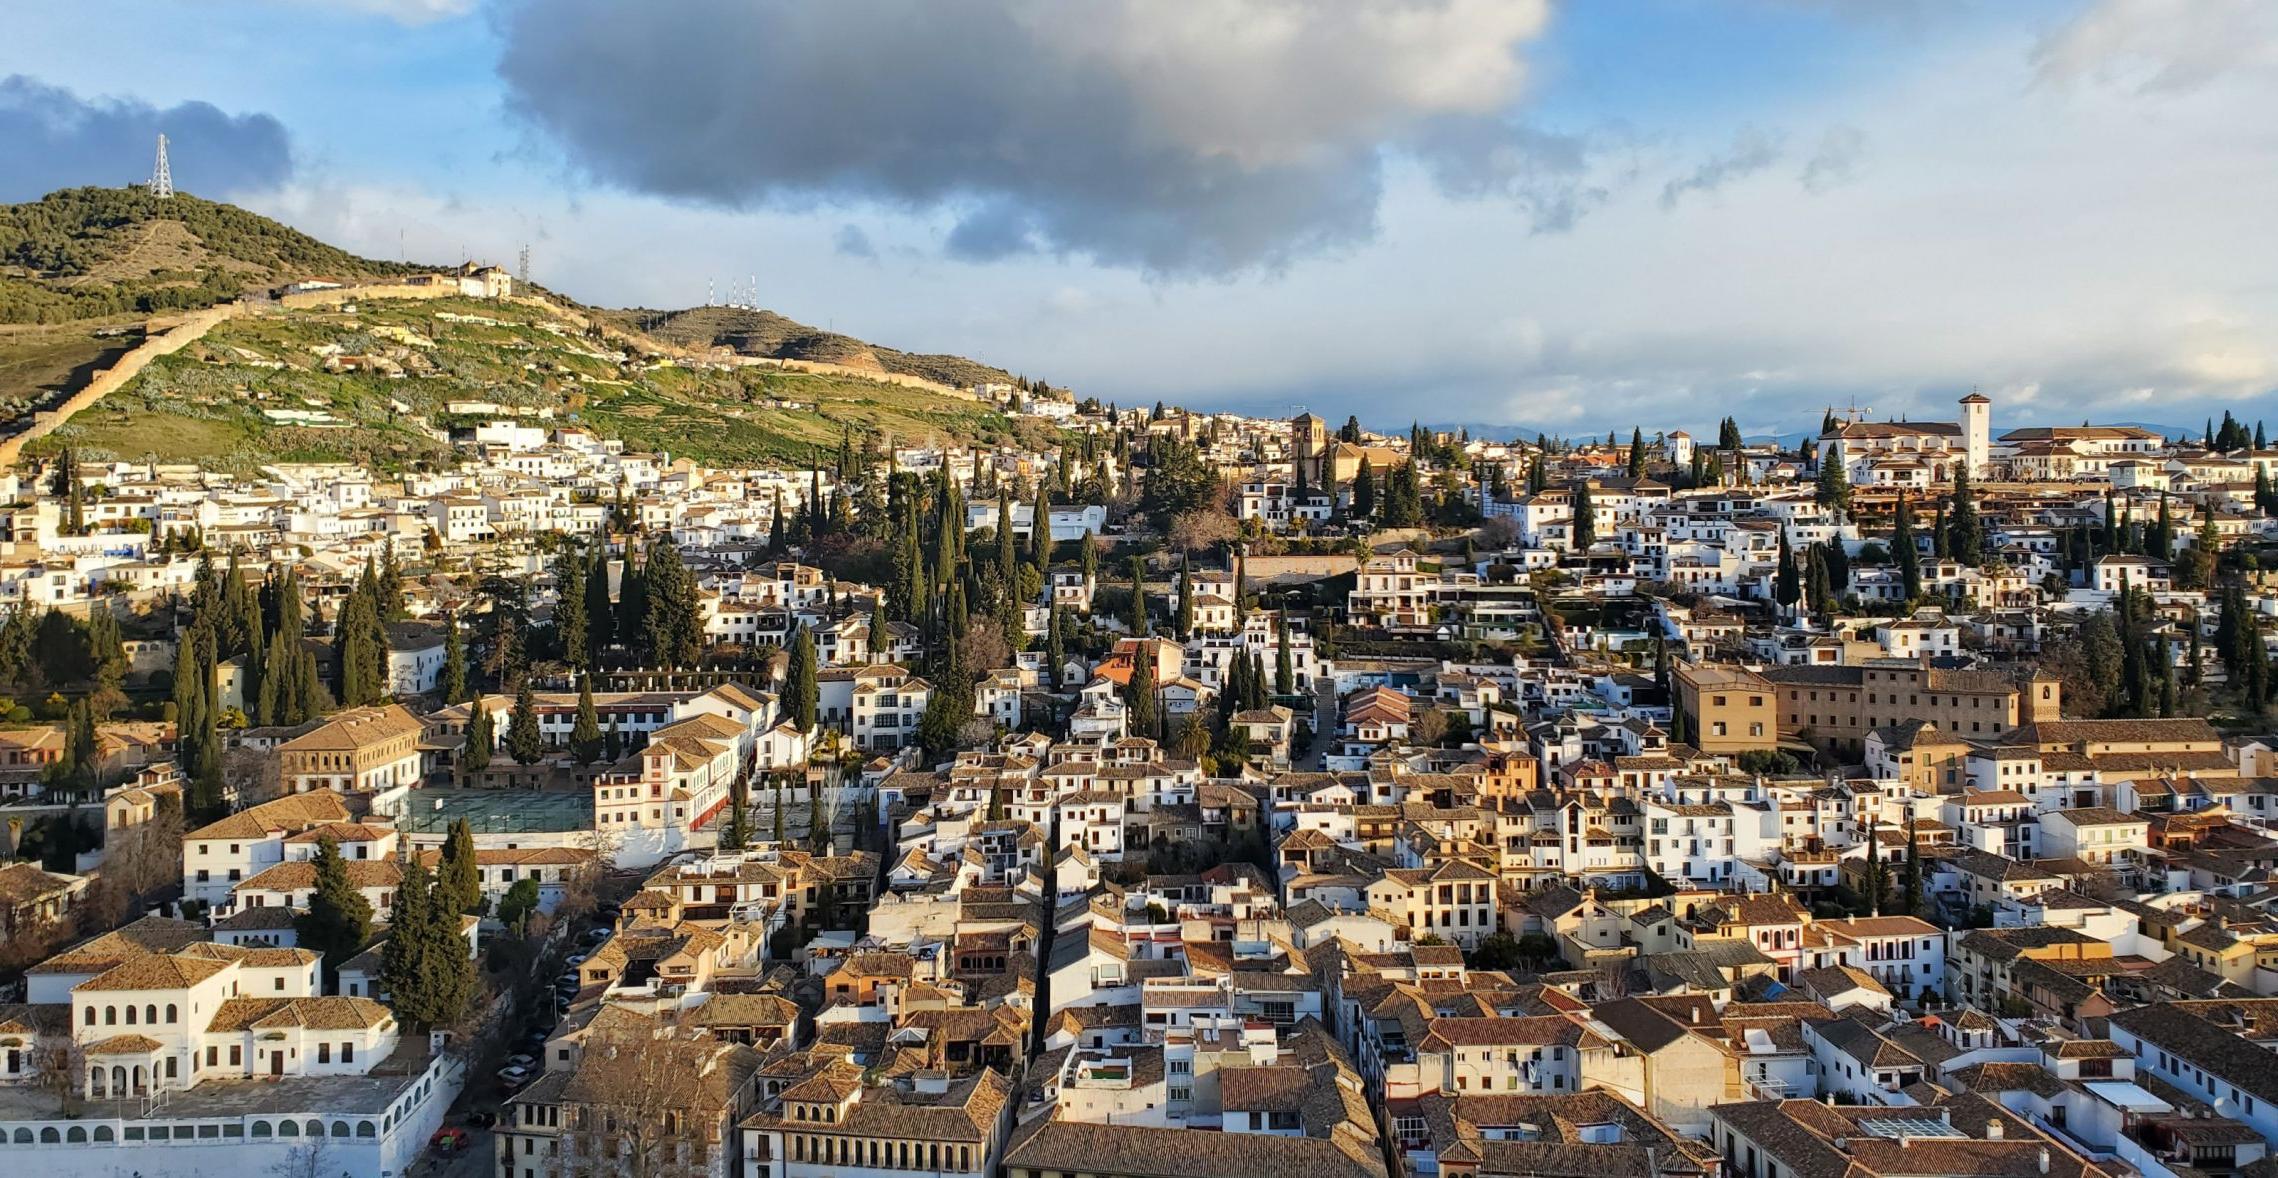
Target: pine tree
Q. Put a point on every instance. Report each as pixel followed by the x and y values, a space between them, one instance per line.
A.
pixel 585 734
pixel 339 918
pixel 458 881
pixel 524 742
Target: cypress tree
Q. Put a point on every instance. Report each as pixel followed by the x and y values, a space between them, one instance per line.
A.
pixel 453 681
pixel 1787 587
pixel 339 918
pixel 524 742
pixel 1136 619
pixel 1139 696
pixel 1055 648
pixel 585 735
pixel 1636 452
pixel 1903 550
pixel 458 881
pixel 1185 616
pixel 481 737
pixel 802 689
pixel 1364 491
pixel 600 612
pixel 571 630
pixel 1585 525
pixel 612 743
pixel 1284 671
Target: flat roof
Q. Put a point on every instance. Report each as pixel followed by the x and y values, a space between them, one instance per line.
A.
pixel 497 811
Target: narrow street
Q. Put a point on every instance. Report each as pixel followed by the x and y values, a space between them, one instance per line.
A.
pixel 1324 725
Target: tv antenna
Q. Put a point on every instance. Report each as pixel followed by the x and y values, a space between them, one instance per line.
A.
pixel 162 176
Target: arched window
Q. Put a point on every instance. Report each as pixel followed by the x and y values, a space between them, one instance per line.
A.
pixel 172 1014
pixel 110 1016
pixel 367 1129
pixel 75 1135
pixel 130 1014
pixel 288 1129
pixel 90 1016
pixel 49 1136
pixel 150 1014
pixel 23 1137
pixel 261 1128
pixel 340 1129
pixel 103 1133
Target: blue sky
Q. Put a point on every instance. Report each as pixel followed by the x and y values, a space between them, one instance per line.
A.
pixel 1535 214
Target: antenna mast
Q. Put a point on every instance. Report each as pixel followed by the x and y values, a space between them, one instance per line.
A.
pixel 162 176
pixel 522 275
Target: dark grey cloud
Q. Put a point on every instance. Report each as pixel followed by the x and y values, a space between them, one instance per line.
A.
pixel 51 138
pixel 1200 138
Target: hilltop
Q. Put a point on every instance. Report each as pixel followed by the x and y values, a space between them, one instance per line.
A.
pixel 86 253
pixel 395 382
pixel 751 332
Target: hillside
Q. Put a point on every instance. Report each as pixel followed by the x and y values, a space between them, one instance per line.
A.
pixel 85 253
pixel 767 334
pixel 82 269
pixel 394 383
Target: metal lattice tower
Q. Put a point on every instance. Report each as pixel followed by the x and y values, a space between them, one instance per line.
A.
pixel 162 176
pixel 522 275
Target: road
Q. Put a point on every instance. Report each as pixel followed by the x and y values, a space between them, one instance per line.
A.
pixel 1324 724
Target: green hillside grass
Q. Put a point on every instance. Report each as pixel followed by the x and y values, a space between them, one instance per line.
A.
pixel 206 402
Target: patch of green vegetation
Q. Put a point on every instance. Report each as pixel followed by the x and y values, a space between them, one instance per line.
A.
pixel 83 253
pixel 385 376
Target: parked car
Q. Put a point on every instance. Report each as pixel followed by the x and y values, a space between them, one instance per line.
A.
pixel 599 935
pixel 578 959
pixel 514 1076
pixel 449 1139
pixel 522 1061
pixel 482 1120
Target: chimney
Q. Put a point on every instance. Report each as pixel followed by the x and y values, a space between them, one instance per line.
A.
pixel 1993 1129
pixel 2044 1159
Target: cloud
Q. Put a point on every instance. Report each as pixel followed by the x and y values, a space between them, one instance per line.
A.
pixel 850 241
pixel 51 138
pixel 1835 162
pixel 409 12
pixel 2153 46
pixel 1751 152
pixel 1207 137
pixel 1555 178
